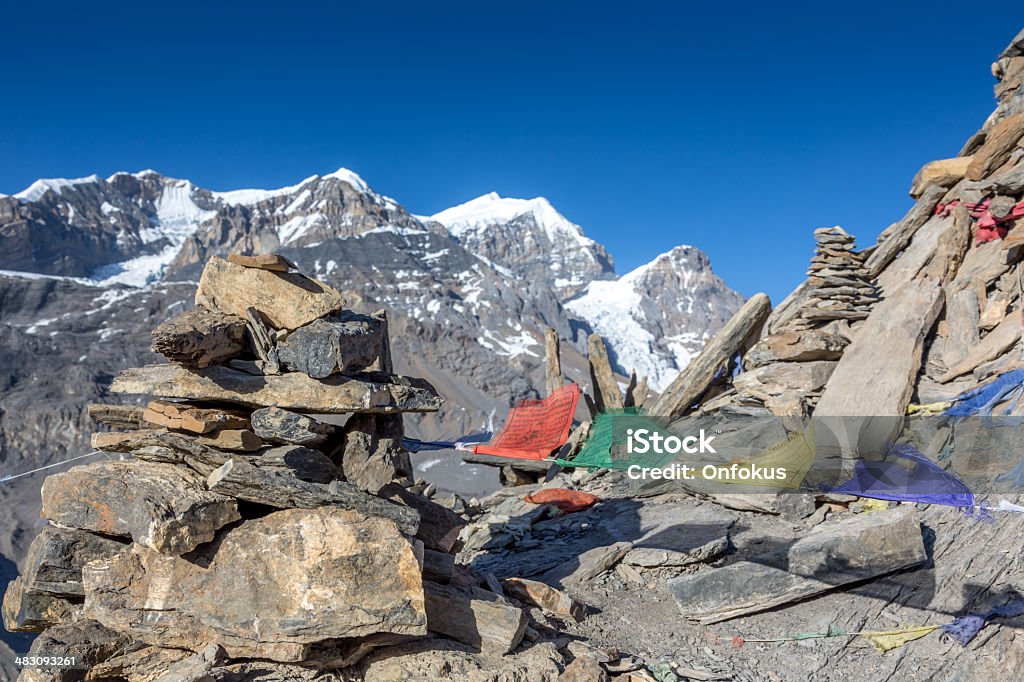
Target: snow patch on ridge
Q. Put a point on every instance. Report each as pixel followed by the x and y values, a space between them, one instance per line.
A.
pixel 176 218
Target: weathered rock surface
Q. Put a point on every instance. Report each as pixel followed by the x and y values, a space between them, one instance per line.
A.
pixel 281 488
pixel 160 506
pixel 291 391
pixel 276 425
pixel 440 659
pixel 343 343
pixel 287 300
pixel 371 452
pixel 546 597
pixel 200 337
pixel 55 559
pixel 86 641
pixel 192 418
pixel 25 610
pixel 439 526
pixel 267 588
pixel 829 556
pixel 796 346
pixel 944 173
pixel 475 617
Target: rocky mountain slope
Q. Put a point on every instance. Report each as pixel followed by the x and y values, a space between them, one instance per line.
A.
pixel 89 266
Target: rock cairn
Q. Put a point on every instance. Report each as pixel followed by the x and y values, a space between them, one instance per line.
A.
pixel 839 285
pixel 242 526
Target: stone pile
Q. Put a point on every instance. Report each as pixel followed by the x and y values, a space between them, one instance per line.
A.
pixel 241 521
pixel 840 288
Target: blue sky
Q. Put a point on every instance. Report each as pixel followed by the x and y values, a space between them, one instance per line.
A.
pixel 736 127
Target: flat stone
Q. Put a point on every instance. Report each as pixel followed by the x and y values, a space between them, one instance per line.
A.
pixel 277 425
pixel 342 343
pixel 276 487
pixel 200 337
pixel 161 506
pixel 286 300
pixel 54 561
pixel 192 418
pixel 1000 140
pixel 291 391
pixel 796 346
pixel 264 261
pixel 546 597
pixel 321 574
pixel 780 377
pixel 829 556
pixel 588 565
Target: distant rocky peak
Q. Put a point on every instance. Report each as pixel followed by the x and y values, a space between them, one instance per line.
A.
pixel 529 237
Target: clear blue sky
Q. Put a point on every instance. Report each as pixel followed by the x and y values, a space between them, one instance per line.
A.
pixel 737 127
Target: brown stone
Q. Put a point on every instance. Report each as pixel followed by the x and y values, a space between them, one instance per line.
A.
pixel 200 337
pixel 287 300
pixel 475 617
pixel 192 418
pixel 161 506
pixel 944 173
pixel 267 588
pixel 1000 140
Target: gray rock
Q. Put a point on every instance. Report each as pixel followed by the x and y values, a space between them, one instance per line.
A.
pixel 161 506
pixel 56 556
pixel 280 488
pixel 25 610
pixel 86 641
pixel 277 425
pixel 343 343
pixel 829 556
pixel 371 452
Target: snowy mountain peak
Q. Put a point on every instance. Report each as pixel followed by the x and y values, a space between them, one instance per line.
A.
pixel 493 209
pixel 647 314
pixel 37 189
pixel 351 177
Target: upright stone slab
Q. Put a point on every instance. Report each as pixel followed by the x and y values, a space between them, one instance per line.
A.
pixel 267 588
pixel 371 453
pixel 287 300
pixel 161 506
pixel 832 555
pixel 875 377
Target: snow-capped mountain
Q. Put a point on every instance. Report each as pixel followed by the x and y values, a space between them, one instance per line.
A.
pixel 657 317
pixel 531 238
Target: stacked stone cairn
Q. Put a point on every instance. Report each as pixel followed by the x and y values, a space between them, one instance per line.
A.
pixel 238 526
pixel 840 287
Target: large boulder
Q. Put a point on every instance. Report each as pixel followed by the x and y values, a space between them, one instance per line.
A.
pixel 164 507
pixel 267 588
